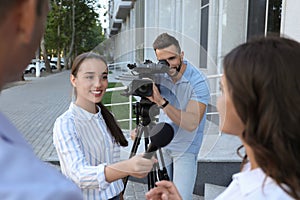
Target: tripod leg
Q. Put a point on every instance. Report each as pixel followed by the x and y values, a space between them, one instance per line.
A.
pixel 162 173
pixel 155 168
pixel 137 141
pixel 152 176
pixel 150 179
pixel 134 148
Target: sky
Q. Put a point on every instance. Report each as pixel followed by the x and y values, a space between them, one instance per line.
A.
pixel 103 9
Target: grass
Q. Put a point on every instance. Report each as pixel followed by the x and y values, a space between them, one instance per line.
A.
pixel 120 111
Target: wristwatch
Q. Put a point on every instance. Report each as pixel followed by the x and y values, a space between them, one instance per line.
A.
pixel 165 104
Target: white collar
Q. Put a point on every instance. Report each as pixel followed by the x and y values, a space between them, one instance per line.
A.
pixel 250 180
pixel 83 114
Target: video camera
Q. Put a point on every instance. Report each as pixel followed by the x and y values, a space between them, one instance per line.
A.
pixel 142 86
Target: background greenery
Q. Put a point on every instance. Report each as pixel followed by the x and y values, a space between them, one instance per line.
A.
pixel 120 111
pixel 73 27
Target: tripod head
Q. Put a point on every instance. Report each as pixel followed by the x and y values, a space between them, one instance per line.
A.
pixel 147 111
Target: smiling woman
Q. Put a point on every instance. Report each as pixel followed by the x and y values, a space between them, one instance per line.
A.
pixel 88 139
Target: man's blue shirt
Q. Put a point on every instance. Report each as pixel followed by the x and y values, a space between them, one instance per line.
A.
pixel 191 86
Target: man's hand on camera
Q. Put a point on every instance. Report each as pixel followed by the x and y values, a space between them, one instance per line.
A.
pixel 156 97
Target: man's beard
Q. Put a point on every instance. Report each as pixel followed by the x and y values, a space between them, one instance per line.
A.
pixel 178 68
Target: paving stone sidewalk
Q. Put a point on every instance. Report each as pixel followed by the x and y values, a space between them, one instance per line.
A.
pixel 34 105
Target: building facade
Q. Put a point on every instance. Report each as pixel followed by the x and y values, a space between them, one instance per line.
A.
pixel 206 29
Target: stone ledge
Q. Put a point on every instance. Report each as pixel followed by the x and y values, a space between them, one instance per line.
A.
pixel 211 191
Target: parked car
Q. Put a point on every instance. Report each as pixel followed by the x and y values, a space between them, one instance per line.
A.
pixel 53 61
pixel 31 68
pixel 52 65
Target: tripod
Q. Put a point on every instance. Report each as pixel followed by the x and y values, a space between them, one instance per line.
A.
pixel 146 111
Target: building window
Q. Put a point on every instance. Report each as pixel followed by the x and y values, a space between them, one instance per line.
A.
pixel 264 17
pixel 274 17
pixel 204 33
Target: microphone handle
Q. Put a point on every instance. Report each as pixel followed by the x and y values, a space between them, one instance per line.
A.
pixel 150 151
pixel 148 155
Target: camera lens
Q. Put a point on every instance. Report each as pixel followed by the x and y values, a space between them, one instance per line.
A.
pixel 142 87
pixel 163 62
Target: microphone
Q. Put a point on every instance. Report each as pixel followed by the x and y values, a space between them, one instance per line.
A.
pixel 160 135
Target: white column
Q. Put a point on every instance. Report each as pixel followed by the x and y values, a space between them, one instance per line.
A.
pixel 37 63
pixel 290 19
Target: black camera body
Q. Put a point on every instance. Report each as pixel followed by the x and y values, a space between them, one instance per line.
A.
pixel 143 85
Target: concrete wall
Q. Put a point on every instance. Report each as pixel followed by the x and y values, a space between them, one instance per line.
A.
pixel 232 25
pixel 290 19
pixel 178 19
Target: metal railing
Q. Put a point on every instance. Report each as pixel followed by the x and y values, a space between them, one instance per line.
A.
pixel 130 102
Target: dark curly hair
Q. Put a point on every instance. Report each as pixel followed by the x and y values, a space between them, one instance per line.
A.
pixel 264 83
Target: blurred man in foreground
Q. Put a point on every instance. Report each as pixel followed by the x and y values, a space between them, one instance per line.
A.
pixel 23 176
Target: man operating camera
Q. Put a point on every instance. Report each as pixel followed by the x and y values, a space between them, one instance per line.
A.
pixel 183 95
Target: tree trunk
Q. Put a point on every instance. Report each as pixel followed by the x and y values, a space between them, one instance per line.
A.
pixel 69 64
pixel 58 63
pixel 46 60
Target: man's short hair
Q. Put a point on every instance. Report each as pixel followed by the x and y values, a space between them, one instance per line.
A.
pixel 165 40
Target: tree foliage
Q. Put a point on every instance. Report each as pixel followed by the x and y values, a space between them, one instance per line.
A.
pixel 88 30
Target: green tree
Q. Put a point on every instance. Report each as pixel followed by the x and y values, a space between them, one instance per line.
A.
pixel 73 27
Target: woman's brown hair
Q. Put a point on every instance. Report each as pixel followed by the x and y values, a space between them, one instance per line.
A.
pixel 109 119
pixel 264 83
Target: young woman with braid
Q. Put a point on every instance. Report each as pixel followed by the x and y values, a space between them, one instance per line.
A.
pixel 88 139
